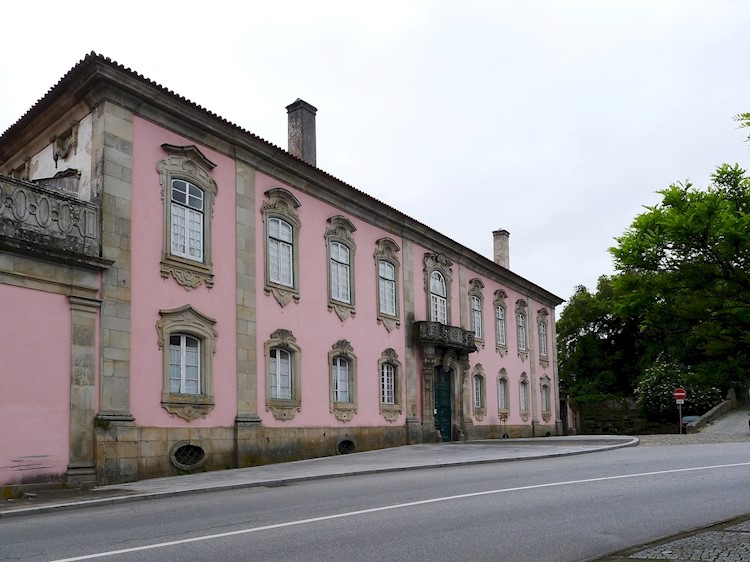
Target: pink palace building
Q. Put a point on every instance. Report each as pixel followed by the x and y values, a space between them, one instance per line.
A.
pixel 180 295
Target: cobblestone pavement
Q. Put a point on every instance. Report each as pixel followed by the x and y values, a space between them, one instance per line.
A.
pixel 728 541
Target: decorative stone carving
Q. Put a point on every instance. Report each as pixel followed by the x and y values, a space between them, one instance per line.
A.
pixel 283 413
pixel 340 229
pixel 387 250
pixel 47 222
pixel 190 164
pixel 437 334
pixel 281 204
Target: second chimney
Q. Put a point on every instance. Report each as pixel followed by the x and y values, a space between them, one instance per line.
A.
pixel 501 248
pixel 302 130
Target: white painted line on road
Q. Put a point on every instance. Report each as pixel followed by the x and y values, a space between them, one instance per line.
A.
pixel 390 507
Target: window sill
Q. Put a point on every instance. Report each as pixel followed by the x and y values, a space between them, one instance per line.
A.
pixel 282 293
pixel 390 322
pixel 283 410
pixel 343 309
pixel 188 273
pixel 390 412
pixel 480 413
pixel 344 411
pixel 187 406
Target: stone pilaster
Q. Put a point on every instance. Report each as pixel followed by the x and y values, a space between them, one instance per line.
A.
pixel 555 378
pixel 533 358
pixel 82 462
pixel 112 157
pixel 247 422
pixel 411 368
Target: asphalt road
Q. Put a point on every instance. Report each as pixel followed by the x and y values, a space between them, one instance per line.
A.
pixel 570 508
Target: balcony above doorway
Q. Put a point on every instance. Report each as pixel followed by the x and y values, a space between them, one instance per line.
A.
pixel 435 334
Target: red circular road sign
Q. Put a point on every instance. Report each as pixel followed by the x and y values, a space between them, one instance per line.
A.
pixel 679 393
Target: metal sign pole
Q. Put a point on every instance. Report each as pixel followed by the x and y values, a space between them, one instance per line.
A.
pixel 679 408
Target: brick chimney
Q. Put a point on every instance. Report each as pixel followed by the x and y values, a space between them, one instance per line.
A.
pixel 501 250
pixel 302 130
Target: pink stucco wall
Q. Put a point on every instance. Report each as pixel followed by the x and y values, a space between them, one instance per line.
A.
pixel 316 328
pixel 487 355
pixel 151 293
pixel 34 386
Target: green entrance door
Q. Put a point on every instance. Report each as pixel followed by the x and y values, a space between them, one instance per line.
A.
pixel 443 403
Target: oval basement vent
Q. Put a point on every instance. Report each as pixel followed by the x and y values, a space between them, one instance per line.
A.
pixel 188 457
pixel 346 446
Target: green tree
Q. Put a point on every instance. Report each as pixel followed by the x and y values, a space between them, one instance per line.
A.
pixel 598 347
pixel 684 264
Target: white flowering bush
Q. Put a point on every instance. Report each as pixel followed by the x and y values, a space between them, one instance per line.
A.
pixel 654 393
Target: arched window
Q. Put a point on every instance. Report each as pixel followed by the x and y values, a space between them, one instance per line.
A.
pixel 282 226
pixel 389 370
pixel 503 403
pixel 340 378
pixel 387 264
pixel 438 298
pixel 188 192
pixel 280 367
pixel 343 376
pixel 341 249
pixel 283 360
pixel 280 252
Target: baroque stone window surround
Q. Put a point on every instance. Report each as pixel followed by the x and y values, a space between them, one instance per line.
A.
pixel 281 204
pixel 545 386
pixel 340 229
pixel 386 250
pixel 479 403
pixel 189 164
pixel 499 303
pixel 543 329
pixel 522 329
pixel 437 261
pixel 344 411
pixel 524 398
pixel 502 377
pixel 283 409
pixel 187 320
pixel 475 292
pixel 391 412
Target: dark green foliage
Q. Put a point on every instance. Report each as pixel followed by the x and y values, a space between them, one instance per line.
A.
pixel 680 296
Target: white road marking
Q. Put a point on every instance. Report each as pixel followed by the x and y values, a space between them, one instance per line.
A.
pixel 390 507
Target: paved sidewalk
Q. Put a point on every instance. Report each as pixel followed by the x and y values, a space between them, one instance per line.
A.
pixel 409 457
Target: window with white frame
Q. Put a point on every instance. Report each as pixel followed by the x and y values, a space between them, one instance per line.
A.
pixel 340 272
pixel 521 324
pixel 386 261
pixel 282 226
pixel 188 192
pixel 503 403
pixel 521 329
pixel 390 385
pixel 340 375
pixel 184 364
pixel 478 391
pixel 387 287
pixel 187 220
pixel 501 326
pixel 188 341
pixel 387 384
pixel 282 374
pixel 476 304
pixel 437 284
pixel 542 324
pixel 280 367
pixel 438 298
pixel 280 252
pixel 341 248
pixel 343 376
pixel 523 393
pixel 546 387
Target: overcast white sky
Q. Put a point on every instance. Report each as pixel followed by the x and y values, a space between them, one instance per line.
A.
pixel 555 120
